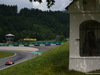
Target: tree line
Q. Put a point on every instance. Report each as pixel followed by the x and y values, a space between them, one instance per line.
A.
pixel 33 23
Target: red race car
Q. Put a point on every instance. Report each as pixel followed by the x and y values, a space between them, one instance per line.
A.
pixel 9 63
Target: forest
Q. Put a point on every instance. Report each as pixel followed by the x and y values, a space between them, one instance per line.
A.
pixel 33 23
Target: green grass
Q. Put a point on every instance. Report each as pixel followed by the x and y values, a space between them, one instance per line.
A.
pixel 52 62
pixel 5 54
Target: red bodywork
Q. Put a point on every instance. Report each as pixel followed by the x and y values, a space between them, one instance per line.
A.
pixel 9 63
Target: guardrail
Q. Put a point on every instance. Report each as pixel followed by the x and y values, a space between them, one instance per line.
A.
pixel 34 44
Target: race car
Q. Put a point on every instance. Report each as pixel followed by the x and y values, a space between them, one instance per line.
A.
pixel 9 63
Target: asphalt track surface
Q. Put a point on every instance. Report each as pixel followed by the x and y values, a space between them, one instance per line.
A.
pixel 19 56
pixel 44 48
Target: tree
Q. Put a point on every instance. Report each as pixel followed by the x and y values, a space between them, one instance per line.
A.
pixel 49 2
pixel 33 23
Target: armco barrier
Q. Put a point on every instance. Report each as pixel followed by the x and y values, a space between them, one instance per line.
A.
pixel 34 44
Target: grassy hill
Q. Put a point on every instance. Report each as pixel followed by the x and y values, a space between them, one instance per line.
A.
pixel 52 62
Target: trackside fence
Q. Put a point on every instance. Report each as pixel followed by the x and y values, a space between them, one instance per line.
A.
pixel 34 44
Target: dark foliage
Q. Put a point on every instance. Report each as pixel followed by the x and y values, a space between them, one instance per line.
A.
pixel 32 23
pixel 49 2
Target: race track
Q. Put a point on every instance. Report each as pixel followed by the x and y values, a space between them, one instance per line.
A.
pixel 19 56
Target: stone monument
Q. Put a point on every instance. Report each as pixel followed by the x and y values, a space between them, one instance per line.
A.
pixel 84 35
